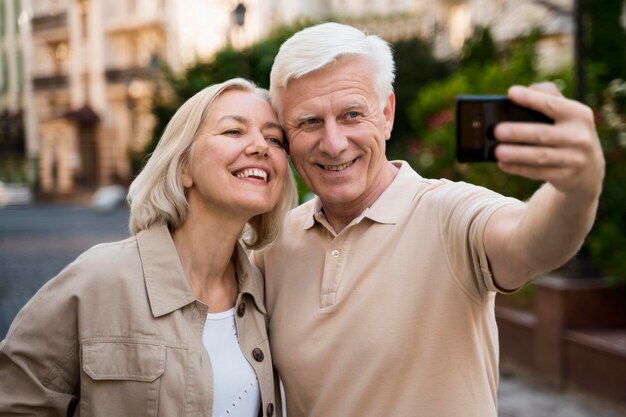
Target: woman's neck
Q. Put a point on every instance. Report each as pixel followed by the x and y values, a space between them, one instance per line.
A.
pixel 206 247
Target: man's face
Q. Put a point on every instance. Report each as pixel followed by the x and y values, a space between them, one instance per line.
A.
pixel 337 131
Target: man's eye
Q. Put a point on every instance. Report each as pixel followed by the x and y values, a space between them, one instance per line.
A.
pixel 310 122
pixel 352 114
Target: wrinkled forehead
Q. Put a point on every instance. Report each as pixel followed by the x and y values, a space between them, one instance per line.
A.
pixel 340 78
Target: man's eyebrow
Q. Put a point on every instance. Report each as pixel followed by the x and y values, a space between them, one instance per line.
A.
pixel 303 117
pixel 354 105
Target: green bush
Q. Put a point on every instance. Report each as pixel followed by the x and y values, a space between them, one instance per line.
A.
pixel 607 240
pixel 432 113
pixel 433 153
pixel 253 63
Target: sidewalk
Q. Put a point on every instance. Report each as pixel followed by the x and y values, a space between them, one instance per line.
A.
pixel 37 241
pixel 518 397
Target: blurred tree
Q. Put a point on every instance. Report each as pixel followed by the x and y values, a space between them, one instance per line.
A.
pixel 481 71
pixel 479 49
pixel 607 240
pixel 416 67
pixel 604 45
pixel 253 63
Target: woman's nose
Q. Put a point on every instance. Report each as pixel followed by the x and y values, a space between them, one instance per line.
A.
pixel 258 145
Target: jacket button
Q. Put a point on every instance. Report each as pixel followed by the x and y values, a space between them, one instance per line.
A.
pixel 270 410
pixel 241 309
pixel 258 355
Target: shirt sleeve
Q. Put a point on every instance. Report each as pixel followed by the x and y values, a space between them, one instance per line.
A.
pixel 39 365
pixel 464 211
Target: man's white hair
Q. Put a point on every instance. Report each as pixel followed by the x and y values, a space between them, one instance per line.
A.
pixel 316 47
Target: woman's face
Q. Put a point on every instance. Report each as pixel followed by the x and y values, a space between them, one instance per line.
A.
pixel 237 164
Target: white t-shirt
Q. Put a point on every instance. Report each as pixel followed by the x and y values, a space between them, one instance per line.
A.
pixel 236 390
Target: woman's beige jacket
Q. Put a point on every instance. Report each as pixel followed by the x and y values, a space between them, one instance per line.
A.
pixel 119 333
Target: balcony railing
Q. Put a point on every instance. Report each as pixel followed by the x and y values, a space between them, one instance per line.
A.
pixel 49 21
pixel 119 75
pixel 50 82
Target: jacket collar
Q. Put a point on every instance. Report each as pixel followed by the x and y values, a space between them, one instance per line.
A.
pixel 390 205
pixel 166 283
pixel 250 278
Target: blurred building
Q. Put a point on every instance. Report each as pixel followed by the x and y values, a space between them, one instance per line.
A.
pixel 11 84
pixel 81 74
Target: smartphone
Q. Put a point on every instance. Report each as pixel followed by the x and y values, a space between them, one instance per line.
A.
pixel 476 118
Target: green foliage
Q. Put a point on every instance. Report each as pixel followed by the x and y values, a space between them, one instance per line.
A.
pixel 253 63
pixel 479 49
pixel 13 168
pixel 304 192
pixel 607 240
pixel 604 43
pixel 416 67
pixel 432 113
pixel 432 153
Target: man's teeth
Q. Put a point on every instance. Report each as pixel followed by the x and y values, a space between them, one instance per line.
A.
pixel 254 172
pixel 338 167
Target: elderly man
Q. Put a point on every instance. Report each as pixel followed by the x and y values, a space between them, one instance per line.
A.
pixel 380 291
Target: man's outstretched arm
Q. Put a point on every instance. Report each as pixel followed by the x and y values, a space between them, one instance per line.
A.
pixel 522 242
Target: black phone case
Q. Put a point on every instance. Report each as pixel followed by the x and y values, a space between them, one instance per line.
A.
pixel 476 117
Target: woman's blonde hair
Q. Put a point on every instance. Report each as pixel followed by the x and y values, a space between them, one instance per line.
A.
pixel 157 195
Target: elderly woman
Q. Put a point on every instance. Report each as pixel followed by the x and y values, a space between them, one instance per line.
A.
pixel 169 322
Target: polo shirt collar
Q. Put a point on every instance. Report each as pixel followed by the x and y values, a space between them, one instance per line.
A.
pixel 390 205
pixel 166 283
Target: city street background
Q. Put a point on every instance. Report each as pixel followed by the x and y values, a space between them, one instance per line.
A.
pixel 38 241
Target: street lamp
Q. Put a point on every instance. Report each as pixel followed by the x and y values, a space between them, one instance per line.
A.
pixel 239 14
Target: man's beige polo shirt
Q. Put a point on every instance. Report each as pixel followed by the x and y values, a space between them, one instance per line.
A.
pixel 393 316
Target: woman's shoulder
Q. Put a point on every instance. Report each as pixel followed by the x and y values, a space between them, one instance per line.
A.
pixel 98 265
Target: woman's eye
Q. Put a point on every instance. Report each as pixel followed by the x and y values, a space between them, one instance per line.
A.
pixel 232 132
pixel 275 141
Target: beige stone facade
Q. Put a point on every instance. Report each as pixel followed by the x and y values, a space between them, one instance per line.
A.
pixel 88 67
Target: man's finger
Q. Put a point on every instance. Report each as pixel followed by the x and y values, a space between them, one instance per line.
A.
pixel 547 87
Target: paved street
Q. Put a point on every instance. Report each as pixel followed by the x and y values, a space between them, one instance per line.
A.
pixel 36 242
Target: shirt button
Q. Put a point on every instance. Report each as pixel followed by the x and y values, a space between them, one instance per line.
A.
pixel 241 309
pixel 258 355
pixel 335 253
pixel 270 410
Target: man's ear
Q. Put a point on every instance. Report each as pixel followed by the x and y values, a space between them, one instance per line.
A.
pixel 389 111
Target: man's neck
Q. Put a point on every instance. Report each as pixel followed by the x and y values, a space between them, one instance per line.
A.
pixel 339 216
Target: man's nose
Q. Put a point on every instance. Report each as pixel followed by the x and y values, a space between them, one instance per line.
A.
pixel 333 141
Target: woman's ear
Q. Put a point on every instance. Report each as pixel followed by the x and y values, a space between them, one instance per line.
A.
pixel 186 177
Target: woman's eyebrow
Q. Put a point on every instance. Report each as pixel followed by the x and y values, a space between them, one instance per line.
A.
pixel 235 117
pixel 272 125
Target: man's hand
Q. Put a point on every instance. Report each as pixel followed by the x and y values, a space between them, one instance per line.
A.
pixel 567 154
pixel 522 242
